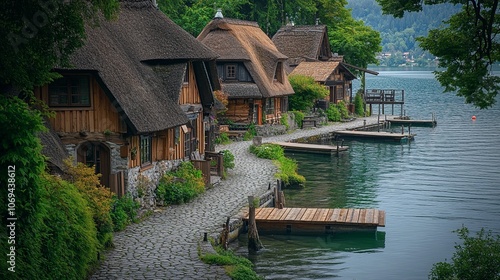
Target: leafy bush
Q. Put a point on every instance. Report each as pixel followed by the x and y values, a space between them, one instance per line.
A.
pixel 69 237
pixel 124 211
pixel 228 159
pixel 478 258
pixel 344 113
pixel 359 105
pixel 181 185
pixel 287 167
pixel 299 117
pixel 223 138
pixel 307 91
pixel 284 120
pixel 98 198
pixel 333 113
pixel 250 133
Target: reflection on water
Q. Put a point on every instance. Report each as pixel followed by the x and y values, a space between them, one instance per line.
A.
pixel 448 177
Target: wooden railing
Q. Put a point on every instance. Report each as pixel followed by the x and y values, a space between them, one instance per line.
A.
pixel 384 96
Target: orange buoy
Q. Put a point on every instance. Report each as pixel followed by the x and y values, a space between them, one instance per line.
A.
pixel 473 118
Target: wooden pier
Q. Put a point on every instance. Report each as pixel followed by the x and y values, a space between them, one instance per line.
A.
pixel 431 123
pixel 316 220
pixel 381 135
pixel 311 148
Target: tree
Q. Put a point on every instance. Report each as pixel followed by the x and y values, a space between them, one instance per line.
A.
pixel 466 46
pixel 477 258
pixel 307 91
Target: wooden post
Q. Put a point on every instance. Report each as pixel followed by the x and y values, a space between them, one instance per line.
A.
pixel 402 129
pixel 254 243
pixel 225 234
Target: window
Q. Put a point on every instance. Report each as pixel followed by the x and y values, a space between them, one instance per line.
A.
pixel 278 74
pixel 70 91
pixel 270 106
pixel 186 76
pixel 231 71
pixel 145 149
pixel 243 75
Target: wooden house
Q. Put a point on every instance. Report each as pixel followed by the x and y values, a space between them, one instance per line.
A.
pixel 332 74
pixel 251 69
pixel 137 99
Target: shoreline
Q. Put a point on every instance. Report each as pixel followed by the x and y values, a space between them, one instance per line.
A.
pixel 166 244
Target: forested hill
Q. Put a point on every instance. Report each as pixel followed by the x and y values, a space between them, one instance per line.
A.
pixel 398 34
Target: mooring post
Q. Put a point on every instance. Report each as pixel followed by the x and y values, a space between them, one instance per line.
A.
pixel 364 124
pixel 254 243
pixel 409 131
pixel 402 129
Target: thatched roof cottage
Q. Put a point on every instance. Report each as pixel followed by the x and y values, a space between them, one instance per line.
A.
pixel 251 69
pixel 137 98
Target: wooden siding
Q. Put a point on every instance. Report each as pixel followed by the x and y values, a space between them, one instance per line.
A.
pixel 99 117
pixel 189 92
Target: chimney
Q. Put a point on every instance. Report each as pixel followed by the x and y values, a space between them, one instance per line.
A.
pixel 317 21
pixel 219 13
pixel 154 3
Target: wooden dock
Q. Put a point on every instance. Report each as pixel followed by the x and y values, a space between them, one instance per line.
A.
pixel 382 135
pixel 311 148
pixel 316 220
pixel 407 122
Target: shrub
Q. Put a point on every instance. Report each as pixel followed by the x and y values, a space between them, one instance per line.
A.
pixel 124 211
pixel 307 91
pixel 223 138
pixel 333 113
pixel 228 159
pixel 478 258
pixel 98 198
pixel 267 151
pixel 181 185
pixel 359 105
pixel 236 267
pixel 344 113
pixel 69 237
pixel 284 120
pixel 299 117
pixel 250 133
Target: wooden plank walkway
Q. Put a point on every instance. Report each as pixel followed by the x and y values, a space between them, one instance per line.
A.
pixel 382 135
pixel 311 148
pixel 407 122
pixel 316 220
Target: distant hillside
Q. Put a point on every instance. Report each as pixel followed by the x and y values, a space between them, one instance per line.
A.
pixel 398 34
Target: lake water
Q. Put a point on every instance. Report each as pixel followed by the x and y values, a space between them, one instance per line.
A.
pixel 448 177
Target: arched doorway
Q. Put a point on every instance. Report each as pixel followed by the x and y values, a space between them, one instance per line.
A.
pixel 98 155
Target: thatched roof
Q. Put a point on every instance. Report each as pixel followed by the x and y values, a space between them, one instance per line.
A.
pixel 140 60
pixel 53 149
pixel 322 70
pixel 244 41
pixel 302 43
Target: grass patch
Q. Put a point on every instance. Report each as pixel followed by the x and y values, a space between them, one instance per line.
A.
pixel 236 267
pixel 287 167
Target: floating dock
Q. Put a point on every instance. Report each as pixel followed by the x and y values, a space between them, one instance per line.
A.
pixel 316 220
pixel 407 122
pixel 382 135
pixel 311 148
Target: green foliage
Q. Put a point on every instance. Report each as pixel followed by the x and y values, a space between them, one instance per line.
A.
pixel 307 91
pixel 223 139
pixel 124 211
pixel 344 113
pixel 228 158
pixel 98 198
pixel 466 46
pixel 69 236
pixel 333 113
pixel 20 148
pixel 250 133
pixel 477 258
pixel 299 117
pixel 287 168
pixel 267 151
pixel 236 267
pixel 284 120
pixel 181 185
pixel 38 35
pixel 359 105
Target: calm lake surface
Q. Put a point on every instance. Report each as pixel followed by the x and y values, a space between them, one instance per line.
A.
pixel 448 177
